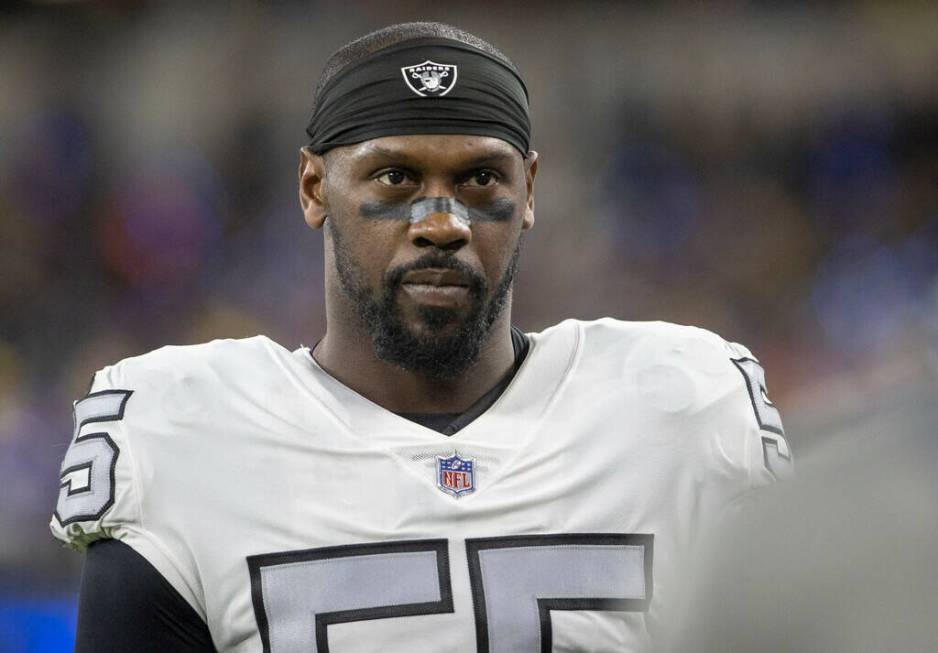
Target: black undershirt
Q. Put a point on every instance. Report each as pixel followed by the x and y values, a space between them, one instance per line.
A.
pixel 450 423
pixel 125 604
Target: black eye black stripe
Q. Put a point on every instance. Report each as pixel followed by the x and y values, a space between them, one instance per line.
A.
pixel 500 210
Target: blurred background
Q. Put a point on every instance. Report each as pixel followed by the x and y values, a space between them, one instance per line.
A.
pixel 765 170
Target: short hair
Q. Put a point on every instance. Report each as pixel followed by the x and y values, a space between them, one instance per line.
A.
pixel 364 46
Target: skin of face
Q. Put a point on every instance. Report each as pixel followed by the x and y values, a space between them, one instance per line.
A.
pixel 350 185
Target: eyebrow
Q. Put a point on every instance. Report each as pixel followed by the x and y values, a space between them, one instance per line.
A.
pixel 491 157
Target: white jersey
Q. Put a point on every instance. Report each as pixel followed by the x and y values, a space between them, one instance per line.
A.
pixel 295 515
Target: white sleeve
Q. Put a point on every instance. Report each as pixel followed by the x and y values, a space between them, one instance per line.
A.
pixel 97 494
pixel 101 493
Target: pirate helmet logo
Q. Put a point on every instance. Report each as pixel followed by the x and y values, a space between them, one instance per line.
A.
pixel 429 79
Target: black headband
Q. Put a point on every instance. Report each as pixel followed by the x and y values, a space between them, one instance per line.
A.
pixel 422 86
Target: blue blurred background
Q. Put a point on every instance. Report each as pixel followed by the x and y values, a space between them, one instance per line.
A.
pixel 768 171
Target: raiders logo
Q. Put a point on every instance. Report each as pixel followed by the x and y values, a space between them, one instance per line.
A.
pixel 429 79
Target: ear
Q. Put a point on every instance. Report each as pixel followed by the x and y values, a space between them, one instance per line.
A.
pixel 312 175
pixel 530 171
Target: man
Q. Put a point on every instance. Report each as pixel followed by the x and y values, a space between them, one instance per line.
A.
pixel 427 478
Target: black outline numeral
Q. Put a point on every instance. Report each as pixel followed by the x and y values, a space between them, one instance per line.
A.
pixel 257 563
pixel 545 605
pixel 757 384
pixel 324 620
pixel 773 442
pixel 751 385
pixel 115 451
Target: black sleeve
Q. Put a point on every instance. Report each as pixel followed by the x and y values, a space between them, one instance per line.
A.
pixel 126 605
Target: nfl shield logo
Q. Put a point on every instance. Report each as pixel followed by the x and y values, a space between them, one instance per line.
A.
pixel 454 475
pixel 429 79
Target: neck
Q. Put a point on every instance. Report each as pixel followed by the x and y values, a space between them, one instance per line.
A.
pixel 347 354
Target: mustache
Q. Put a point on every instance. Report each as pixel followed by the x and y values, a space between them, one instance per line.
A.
pixel 477 283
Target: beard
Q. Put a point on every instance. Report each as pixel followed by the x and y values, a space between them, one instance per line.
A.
pixel 449 340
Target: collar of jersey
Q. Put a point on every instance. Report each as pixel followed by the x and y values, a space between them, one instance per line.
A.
pixel 517 412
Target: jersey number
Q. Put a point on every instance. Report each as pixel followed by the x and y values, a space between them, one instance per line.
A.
pixel 775 451
pixel 86 480
pixel 516 582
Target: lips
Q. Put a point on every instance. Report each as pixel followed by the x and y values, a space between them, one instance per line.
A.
pixel 436 286
pixel 436 277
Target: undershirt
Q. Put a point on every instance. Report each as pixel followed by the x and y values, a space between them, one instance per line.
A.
pixel 450 423
pixel 125 604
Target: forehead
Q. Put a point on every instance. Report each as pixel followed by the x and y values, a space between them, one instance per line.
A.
pixel 429 150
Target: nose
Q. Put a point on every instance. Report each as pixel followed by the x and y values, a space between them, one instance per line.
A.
pixel 442 230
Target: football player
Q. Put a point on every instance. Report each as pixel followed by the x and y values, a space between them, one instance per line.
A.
pixel 427 478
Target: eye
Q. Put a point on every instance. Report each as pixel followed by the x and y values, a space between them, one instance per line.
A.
pixel 392 177
pixel 481 178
